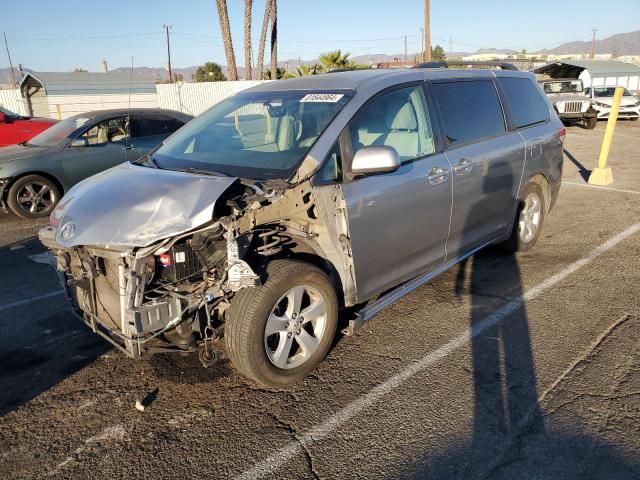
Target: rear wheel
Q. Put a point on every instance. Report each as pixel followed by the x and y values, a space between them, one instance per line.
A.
pixel 279 332
pixel 33 196
pixel 529 219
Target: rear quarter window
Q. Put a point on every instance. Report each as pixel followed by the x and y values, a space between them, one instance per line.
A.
pixel 527 105
pixel 470 110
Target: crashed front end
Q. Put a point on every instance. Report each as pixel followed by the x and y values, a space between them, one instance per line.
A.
pixel 132 282
pixel 150 259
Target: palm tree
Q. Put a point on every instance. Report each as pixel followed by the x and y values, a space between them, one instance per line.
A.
pixel 334 60
pixel 263 35
pixel 223 15
pixel 304 70
pixel 274 37
pixel 280 73
pixel 247 39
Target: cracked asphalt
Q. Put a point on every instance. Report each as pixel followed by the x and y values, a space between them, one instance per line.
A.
pixel 551 390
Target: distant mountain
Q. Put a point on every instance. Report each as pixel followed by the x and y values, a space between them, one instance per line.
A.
pixel 494 51
pixel 619 44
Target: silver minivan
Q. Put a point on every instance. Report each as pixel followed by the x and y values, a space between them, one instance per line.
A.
pixel 263 218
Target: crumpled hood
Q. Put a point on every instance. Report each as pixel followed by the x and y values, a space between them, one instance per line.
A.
pixel 19 152
pixel 135 206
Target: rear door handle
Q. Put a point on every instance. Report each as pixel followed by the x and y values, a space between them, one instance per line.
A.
pixel 129 147
pixel 438 175
pixel 464 165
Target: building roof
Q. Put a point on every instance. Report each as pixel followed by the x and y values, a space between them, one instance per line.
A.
pixel 85 83
pixel 596 68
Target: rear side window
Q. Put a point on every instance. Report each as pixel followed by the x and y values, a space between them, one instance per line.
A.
pixel 525 101
pixel 150 124
pixel 470 110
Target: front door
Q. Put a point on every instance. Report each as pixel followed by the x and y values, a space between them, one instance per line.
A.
pixel 101 146
pixel 398 221
pixel 487 162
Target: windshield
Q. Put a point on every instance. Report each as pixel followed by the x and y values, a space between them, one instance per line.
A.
pixel 573 86
pixel 55 134
pixel 261 136
pixel 608 92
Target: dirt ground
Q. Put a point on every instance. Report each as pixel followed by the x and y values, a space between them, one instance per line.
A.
pixel 507 367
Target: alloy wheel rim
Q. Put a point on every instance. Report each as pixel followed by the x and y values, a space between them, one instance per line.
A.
pixel 35 197
pixel 530 215
pixel 295 327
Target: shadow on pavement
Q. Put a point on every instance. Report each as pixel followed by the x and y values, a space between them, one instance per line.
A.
pixel 510 437
pixel 41 343
pixel 582 170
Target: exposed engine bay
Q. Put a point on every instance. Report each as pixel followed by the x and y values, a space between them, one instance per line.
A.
pixel 172 295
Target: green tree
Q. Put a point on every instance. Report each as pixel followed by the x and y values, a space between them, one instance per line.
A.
pixel 209 72
pixel 305 70
pixel 280 74
pixel 335 60
pixel 437 53
pixel 80 70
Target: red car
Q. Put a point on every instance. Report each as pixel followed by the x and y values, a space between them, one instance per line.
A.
pixel 15 129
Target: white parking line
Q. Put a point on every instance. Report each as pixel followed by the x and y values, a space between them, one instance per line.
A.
pixel 27 301
pixel 600 188
pixel 323 430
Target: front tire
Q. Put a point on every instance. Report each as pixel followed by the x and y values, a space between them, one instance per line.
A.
pixel 590 122
pixel 33 196
pixel 279 332
pixel 529 219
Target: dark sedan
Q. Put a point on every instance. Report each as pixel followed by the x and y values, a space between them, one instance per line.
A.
pixel 35 174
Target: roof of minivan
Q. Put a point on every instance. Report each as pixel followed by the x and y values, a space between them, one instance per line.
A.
pixel 352 80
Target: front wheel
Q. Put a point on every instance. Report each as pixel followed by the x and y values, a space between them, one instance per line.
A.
pixel 279 332
pixel 33 196
pixel 590 123
pixel 529 219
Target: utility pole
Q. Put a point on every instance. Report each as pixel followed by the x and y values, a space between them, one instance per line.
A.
pixel 593 44
pixel 405 48
pixel 450 45
pixel 422 45
pixel 167 27
pixel 427 32
pixel 13 75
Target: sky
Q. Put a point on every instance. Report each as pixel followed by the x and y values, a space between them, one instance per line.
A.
pixel 48 35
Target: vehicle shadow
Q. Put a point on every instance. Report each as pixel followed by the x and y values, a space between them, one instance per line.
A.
pixel 41 342
pixel 582 170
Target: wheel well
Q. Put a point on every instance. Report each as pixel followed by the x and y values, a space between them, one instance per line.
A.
pixel 541 180
pixel 48 176
pixel 307 255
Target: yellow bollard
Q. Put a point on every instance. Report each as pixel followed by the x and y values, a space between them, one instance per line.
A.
pixel 602 174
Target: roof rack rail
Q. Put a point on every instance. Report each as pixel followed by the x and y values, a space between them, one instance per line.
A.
pixel 447 64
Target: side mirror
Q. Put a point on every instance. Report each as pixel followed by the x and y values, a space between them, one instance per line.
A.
pixel 79 142
pixel 375 159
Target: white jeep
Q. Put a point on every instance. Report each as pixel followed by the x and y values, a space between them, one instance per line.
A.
pixel 567 97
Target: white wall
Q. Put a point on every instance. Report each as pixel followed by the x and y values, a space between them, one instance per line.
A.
pixel 195 98
pixel 63 106
pixel 11 100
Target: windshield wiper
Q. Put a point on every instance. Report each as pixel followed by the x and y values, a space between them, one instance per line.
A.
pixel 199 171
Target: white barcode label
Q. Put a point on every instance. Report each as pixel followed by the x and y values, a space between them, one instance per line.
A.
pixel 180 257
pixel 322 97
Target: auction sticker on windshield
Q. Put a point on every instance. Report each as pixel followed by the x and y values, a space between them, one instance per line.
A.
pixel 322 97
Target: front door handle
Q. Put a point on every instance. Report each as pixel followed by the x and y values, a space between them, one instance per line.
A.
pixel 129 147
pixel 438 175
pixel 463 166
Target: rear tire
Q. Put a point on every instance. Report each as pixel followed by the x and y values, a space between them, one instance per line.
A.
pixel 267 337
pixel 529 220
pixel 33 196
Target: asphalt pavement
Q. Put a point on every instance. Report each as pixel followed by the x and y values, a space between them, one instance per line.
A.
pixel 524 366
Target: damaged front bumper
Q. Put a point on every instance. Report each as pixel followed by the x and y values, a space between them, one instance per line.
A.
pixel 116 294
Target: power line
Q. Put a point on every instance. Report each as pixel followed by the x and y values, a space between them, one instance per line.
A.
pixel 88 37
pixel 13 75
